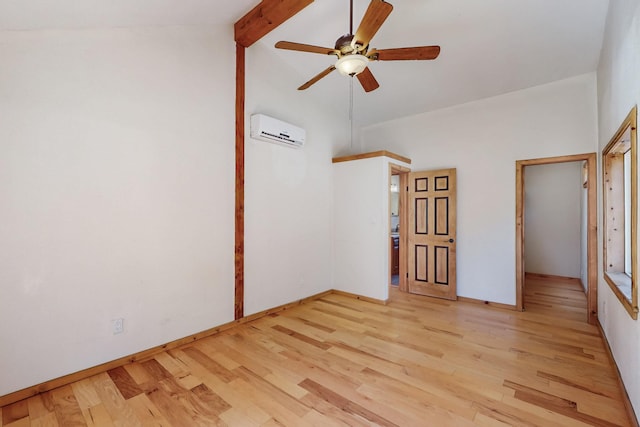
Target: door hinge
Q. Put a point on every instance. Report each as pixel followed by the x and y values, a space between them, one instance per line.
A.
pixel 407 275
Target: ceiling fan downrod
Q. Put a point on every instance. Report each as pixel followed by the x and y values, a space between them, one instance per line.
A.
pixel 351 18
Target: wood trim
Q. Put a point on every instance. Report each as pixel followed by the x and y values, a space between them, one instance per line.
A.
pixel 382 153
pixel 592 224
pixel 264 18
pixel 488 303
pixel 390 254
pixel 520 236
pixel 360 297
pixel 402 173
pixel 592 238
pixel 239 206
pixel 404 232
pixel 398 170
pixel 613 258
pixel 552 160
pixel 149 353
pixel 625 396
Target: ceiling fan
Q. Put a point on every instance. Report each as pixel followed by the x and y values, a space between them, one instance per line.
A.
pixel 353 50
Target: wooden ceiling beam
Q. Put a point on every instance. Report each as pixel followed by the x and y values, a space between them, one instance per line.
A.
pixel 263 18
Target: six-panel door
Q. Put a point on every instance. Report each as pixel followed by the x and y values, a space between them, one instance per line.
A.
pixel 431 233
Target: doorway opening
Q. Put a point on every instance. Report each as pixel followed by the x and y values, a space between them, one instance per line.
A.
pixel 394 238
pixel 589 275
pixel 398 176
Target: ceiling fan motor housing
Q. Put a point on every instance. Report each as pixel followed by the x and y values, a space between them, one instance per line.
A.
pixel 343 44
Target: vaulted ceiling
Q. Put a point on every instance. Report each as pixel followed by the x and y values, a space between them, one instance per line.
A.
pixel 489 47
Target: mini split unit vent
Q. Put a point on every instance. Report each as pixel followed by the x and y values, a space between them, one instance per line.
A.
pixel 273 130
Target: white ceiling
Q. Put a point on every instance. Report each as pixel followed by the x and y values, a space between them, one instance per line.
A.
pixel 489 47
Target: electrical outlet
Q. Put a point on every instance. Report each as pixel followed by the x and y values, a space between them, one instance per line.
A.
pixel 118 326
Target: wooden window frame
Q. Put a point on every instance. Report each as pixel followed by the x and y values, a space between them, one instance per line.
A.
pixel 624 140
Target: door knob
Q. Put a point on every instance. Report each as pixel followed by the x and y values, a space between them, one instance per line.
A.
pixel 451 240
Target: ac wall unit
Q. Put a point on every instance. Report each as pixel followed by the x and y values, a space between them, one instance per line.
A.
pixel 273 130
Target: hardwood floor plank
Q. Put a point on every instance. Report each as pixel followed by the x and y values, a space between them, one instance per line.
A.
pixel 37 407
pixel 481 420
pixel 537 415
pixel 345 404
pixel 22 422
pixel 48 420
pixel 193 409
pixel 85 393
pixel 124 382
pixel 66 407
pixel 226 392
pixel 323 410
pixel 15 412
pixel 215 403
pixel 138 373
pixel 97 416
pixel 275 408
pixel 236 417
pixel 301 337
pixel 258 384
pixel 210 364
pixel 109 395
pixel 148 414
pixel 556 405
pixel 340 361
pixel 416 398
pixel 169 407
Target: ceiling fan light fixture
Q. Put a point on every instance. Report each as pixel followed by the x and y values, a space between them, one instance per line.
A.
pixel 351 65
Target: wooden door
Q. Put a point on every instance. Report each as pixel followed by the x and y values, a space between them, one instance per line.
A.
pixel 431 255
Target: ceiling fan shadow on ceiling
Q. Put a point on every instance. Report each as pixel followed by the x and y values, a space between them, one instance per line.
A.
pixel 353 50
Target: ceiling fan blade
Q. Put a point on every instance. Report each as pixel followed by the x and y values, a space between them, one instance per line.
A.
pixel 306 48
pixel 373 19
pixel 367 80
pixel 405 53
pixel 316 78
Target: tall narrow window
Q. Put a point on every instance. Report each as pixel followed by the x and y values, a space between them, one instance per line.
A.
pixel 619 159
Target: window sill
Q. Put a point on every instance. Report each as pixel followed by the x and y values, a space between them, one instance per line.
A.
pixel 622 281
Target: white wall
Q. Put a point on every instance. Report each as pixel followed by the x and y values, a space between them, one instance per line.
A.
pixel 552 219
pixel 483 140
pixel 116 194
pixel 361 218
pixel 117 191
pixel 618 92
pixel 289 192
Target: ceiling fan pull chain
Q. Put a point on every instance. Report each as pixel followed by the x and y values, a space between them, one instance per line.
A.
pixel 351 114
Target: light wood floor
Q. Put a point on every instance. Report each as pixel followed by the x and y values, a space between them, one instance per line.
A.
pixel 339 361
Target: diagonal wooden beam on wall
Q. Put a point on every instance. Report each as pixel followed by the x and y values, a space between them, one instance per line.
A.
pixel 263 18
